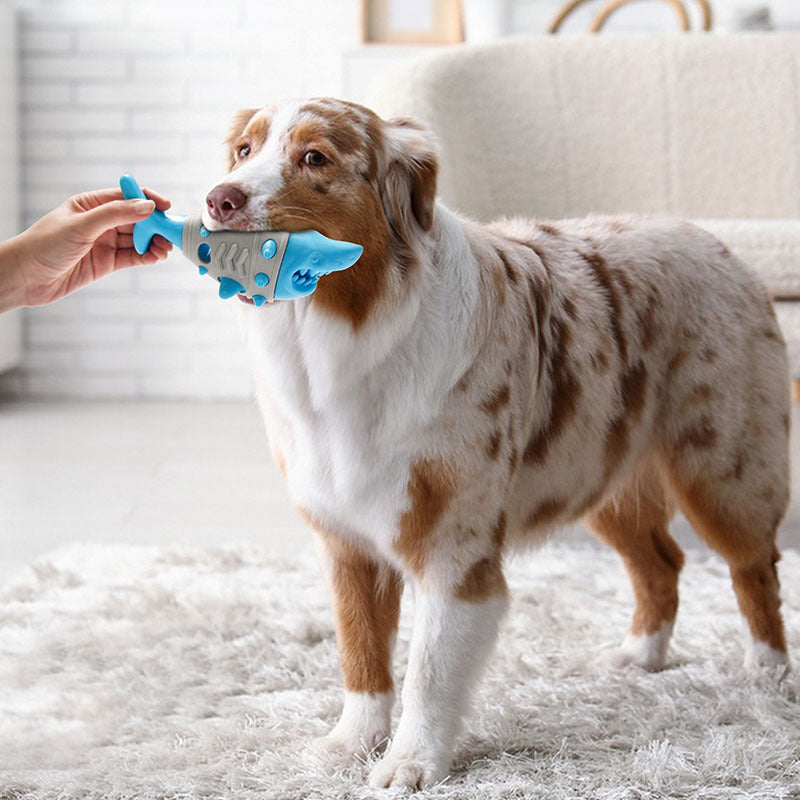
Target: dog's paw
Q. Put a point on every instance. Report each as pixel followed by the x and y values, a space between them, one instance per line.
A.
pixel 759 656
pixel 406 771
pixel 761 659
pixel 340 742
pixel 620 657
pixel 649 651
pixel 771 669
pixel 364 726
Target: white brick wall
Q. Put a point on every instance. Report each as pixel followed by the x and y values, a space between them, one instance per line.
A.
pixel 148 87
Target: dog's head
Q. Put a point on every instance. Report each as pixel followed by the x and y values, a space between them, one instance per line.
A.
pixel 338 168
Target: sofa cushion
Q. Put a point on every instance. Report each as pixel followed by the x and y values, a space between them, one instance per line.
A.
pixel 692 126
pixel 770 247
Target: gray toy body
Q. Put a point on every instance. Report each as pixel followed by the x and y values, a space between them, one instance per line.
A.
pixel 237 256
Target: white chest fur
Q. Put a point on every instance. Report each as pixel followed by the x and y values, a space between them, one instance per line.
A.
pixel 347 412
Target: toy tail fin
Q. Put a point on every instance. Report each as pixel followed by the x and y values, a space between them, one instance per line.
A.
pixel 170 226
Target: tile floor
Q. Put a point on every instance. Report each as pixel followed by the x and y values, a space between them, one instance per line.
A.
pixel 160 473
pixel 152 473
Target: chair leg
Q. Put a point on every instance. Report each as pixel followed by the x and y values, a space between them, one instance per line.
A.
pixel 796 392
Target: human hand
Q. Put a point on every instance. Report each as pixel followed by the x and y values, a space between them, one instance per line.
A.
pixel 85 238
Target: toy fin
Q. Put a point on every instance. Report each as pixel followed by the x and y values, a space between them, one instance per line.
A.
pixel 170 226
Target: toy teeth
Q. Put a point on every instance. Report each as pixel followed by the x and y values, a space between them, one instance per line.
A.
pixel 261 265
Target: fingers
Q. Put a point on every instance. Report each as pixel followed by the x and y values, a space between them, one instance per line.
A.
pixel 105 209
pixel 160 247
pixel 162 204
pixel 126 256
pixel 95 214
pixel 158 243
pixel 130 258
pixel 90 200
pixel 113 214
pixel 125 241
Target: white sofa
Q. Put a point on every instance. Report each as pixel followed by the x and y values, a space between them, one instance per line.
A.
pixel 701 126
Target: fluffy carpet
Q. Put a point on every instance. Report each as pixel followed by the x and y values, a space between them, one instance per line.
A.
pixel 178 673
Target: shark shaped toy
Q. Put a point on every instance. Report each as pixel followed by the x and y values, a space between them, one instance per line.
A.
pixel 261 265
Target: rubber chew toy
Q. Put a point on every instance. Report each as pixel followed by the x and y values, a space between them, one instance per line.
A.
pixel 262 265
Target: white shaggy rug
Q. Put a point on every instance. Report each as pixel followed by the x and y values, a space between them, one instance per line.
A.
pixel 178 673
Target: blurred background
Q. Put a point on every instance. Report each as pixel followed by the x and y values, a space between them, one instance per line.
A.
pixel 148 87
pixel 123 405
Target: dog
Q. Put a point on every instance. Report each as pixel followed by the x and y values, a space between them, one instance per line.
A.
pixel 464 389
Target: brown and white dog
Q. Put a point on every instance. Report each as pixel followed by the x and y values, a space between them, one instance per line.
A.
pixel 464 388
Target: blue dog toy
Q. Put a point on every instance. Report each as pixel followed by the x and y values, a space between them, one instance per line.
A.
pixel 262 265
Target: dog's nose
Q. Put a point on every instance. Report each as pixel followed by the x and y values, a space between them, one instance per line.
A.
pixel 224 201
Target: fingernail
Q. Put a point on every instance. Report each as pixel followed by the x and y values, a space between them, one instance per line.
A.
pixel 143 206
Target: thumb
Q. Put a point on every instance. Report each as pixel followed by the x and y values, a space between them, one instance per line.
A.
pixel 115 213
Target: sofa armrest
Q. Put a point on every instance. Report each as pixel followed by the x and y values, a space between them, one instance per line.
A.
pixel 770 247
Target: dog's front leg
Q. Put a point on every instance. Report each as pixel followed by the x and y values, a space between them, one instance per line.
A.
pixel 366 603
pixel 450 642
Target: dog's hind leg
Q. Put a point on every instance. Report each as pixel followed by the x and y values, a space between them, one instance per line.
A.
pixel 727 461
pixel 742 528
pixel 634 521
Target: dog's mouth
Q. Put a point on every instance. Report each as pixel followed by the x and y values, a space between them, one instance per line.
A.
pixel 241 222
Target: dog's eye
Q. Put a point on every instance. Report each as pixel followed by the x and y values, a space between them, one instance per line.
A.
pixel 243 151
pixel 313 158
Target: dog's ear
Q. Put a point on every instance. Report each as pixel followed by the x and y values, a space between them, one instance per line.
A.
pixel 239 123
pixel 408 189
